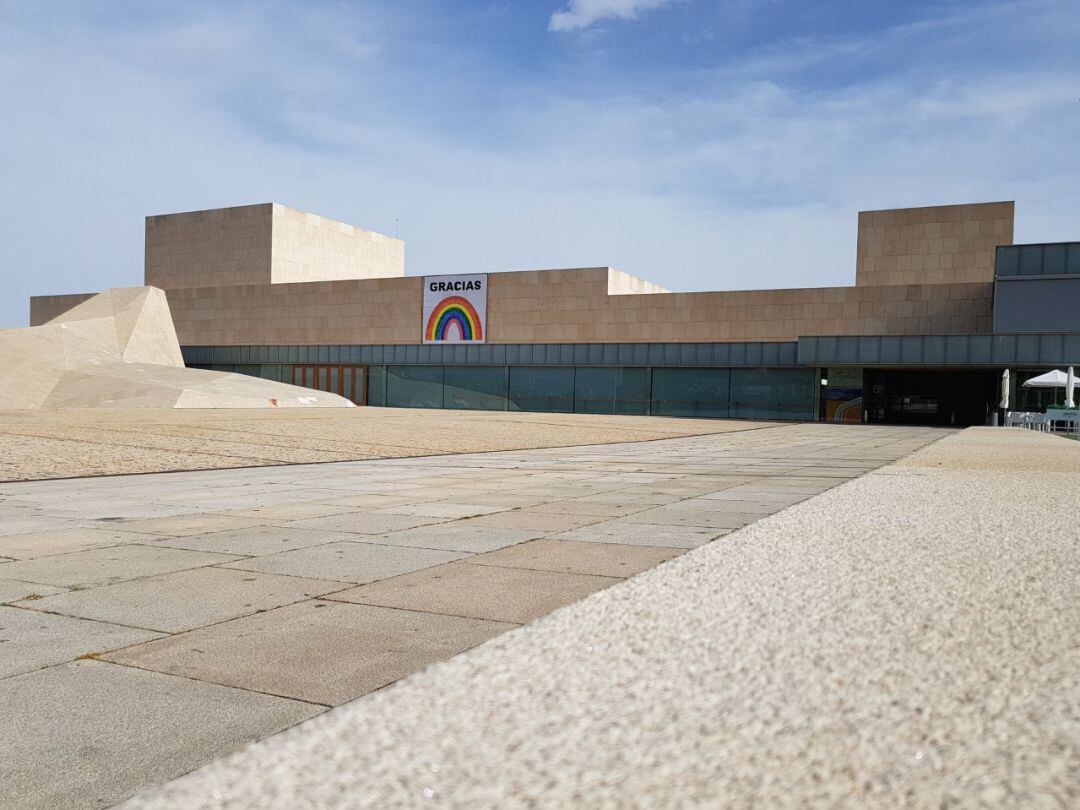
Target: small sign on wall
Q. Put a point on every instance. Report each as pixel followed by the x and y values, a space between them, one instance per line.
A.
pixel 455 309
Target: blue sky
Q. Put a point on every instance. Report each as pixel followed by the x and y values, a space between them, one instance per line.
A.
pixel 702 144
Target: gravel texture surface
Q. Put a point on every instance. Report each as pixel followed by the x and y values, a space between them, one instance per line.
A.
pixel 909 638
pixel 70 443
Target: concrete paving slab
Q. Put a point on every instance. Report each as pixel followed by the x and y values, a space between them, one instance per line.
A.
pixel 362 522
pixel 567 556
pixel 65 541
pixel 194 523
pixel 482 592
pixel 704 518
pixel 354 562
pixel 184 600
pixel 525 520
pixel 443 509
pixel 294 510
pixel 320 651
pixel 31 640
pixel 371 501
pixel 12 590
pixel 103 566
pixel 88 734
pixel 585 506
pixel 642 534
pixel 459 536
pixel 256 541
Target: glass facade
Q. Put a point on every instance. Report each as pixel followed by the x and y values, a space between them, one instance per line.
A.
pixel 537 388
pixel 1053 259
pixel 743 393
pixel 940 350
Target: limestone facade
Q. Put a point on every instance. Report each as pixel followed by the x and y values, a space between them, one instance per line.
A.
pixel 263 244
pixel 919 271
pixel 933 245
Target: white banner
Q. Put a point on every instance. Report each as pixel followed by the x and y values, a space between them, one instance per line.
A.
pixel 455 309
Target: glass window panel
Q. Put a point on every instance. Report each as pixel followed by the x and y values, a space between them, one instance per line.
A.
pixel 535 388
pixel 1053 263
pixel 309 376
pixel 335 381
pixel 1007 261
pixel 481 388
pixel 956 349
pixel 1072 259
pixel 690 391
pixel 594 390
pixel 774 393
pixel 868 349
pixel 933 349
pixel 414 386
pixel 1030 260
pixel 631 390
pixel 911 349
pixel 1060 349
pixel 979 349
pixel 890 350
pixel 847 350
pixel 376 386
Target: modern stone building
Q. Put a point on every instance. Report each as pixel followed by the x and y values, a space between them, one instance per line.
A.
pixel 942 303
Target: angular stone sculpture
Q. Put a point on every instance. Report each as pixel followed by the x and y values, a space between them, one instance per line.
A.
pixel 119 350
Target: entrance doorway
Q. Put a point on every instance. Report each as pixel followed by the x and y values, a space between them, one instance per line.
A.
pixel 955 398
pixel 347 381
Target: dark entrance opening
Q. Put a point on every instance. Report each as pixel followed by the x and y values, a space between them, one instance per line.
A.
pixel 902 397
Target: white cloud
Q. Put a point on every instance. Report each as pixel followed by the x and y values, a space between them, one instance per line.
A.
pixel 583 13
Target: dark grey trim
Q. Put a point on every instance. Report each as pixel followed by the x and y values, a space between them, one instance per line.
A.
pixel 940 350
pixel 737 355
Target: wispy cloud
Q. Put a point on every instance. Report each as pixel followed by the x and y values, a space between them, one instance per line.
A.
pixel 583 13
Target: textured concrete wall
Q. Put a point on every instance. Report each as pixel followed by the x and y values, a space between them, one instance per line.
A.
pixel 307 247
pixel 571 306
pixel 934 245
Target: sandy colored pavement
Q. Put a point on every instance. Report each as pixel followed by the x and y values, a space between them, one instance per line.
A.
pixel 70 443
pixel 910 638
pixel 150 624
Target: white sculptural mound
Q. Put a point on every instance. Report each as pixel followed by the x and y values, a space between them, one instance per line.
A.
pixel 119 350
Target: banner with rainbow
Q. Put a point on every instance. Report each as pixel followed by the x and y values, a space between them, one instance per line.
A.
pixel 455 309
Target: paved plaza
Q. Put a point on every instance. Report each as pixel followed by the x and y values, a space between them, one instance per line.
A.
pixel 908 639
pixel 156 622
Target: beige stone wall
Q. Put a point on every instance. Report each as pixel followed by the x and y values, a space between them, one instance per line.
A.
pixel 307 247
pixel 263 244
pixel 934 245
pixel 571 306
pixel 919 271
pixel 209 248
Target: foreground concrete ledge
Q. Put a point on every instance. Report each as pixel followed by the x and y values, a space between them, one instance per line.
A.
pixel 909 638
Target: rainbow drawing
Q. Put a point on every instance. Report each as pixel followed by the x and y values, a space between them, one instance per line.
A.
pixel 454 311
